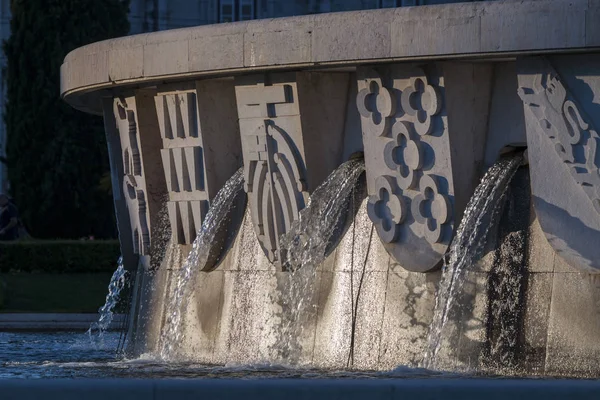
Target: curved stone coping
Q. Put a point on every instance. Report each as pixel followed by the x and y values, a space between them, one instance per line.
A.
pixel 441 31
pixel 263 389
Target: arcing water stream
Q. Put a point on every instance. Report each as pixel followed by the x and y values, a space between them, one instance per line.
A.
pixel 215 217
pixel 480 214
pixel 305 247
pixel 116 285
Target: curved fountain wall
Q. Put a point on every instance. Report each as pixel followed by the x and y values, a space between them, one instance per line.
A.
pixel 432 96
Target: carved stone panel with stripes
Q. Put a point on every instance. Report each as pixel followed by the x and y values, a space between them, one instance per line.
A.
pixel 291 126
pixel 183 163
pixel 134 185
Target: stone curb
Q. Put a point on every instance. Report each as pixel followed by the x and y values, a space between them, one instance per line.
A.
pixel 464 389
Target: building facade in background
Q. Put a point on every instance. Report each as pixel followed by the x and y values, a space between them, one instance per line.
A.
pixel 153 15
pixel 156 15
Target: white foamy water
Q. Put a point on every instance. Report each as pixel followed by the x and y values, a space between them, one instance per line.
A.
pixel 466 248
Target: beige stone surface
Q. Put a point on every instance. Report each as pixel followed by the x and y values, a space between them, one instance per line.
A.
pixel 541 255
pixel 506 28
pixel 203 56
pixel 430 30
pixel 336 39
pixel 537 312
pixel 409 305
pixel 369 307
pixel 574 326
pixel 351 36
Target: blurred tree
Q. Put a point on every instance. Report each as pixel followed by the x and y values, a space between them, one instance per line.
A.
pixel 56 155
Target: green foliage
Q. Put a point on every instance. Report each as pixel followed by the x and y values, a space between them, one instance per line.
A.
pixel 60 293
pixel 56 155
pixel 59 256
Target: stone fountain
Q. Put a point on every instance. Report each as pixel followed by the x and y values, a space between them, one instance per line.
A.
pixel 431 96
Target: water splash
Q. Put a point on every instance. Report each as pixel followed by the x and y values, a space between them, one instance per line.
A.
pixel 467 246
pixel 198 256
pixel 305 247
pixel 116 285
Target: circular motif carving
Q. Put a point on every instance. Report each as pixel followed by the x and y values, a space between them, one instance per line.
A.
pixel 431 209
pixel 422 101
pixel 404 154
pixel 376 103
pixel 386 209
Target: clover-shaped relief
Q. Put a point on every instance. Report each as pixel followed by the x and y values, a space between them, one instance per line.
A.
pixel 404 154
pixel 431 208
pixel 377 105
pixel 422 101
pixel 386 208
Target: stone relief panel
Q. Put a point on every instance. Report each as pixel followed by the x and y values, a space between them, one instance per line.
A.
pixel 183 162
pixel 272 147
pixel 575 140
pixel 134 185
pixel 405 134
pixel 563 149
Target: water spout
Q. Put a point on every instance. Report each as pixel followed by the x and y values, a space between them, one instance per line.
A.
pixel 466 248
pixel 197 258
pixel 306 246
pixel 116 285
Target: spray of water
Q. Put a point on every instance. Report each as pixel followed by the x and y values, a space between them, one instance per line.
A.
pixel 116 285
pixel 305 247
pixel 198 256
pixel 467 246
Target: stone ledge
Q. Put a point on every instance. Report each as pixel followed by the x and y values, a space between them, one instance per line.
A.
pixel 335 39
pixel 400 388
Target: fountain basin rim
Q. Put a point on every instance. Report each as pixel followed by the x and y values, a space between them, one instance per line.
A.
pixel 346 39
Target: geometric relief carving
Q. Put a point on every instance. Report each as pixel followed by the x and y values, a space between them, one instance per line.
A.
pixel 376 104
pixel 404 154
pixel 183 163
pixel 575 140
pixel 430 208
pixel 408 171
pixel 133 182
pixel 177 115
pixel 274 170
pixel 387 209
pixel 186 217
pixel 184 168
pixel 274 183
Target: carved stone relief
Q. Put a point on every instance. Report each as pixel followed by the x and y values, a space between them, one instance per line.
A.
pixel 183 163
pixel 274 169
pixel 575 141
pixel 407 160
pixel 561 117
pixel 134 187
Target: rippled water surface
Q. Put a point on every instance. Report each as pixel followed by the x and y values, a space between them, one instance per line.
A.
pixel 72 355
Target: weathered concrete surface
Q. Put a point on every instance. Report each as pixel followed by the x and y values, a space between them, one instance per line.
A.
pixel 439 31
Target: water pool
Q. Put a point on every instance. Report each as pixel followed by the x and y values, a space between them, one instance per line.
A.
pixel 73 355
